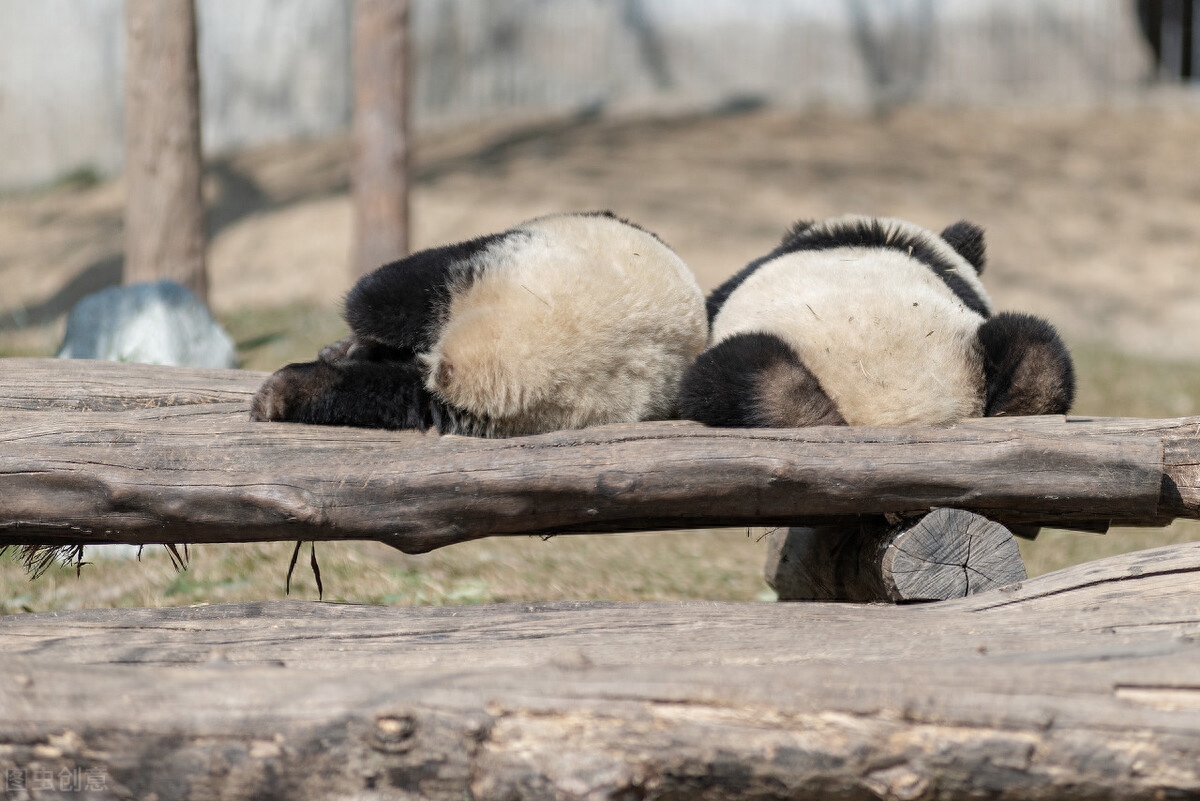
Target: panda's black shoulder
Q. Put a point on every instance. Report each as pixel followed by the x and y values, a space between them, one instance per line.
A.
pixel 398 303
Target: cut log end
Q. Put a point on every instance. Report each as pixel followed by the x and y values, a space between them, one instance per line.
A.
pixel 949 553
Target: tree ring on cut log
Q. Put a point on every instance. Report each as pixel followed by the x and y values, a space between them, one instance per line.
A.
pixel 948 553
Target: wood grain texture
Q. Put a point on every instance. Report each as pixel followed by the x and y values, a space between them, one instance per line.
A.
pixel 1082 684
pixel 948 553
pixel 93 452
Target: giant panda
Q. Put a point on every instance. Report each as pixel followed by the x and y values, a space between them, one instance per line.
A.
pixel 562 322
pixel 871 321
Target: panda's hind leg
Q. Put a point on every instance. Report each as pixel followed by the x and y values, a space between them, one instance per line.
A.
pixel 352 393
pixel 755 381
pixel 1026 366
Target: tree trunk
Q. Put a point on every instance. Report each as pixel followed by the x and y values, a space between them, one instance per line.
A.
pixel 164 210
pixel 381 151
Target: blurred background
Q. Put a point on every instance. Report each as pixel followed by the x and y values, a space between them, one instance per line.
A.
pixel 1069 129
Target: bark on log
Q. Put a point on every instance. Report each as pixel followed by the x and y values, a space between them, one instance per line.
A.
pixel 380 133
pixel 948 553
pixel 164 210
pixel 1075 685
pixel 101 452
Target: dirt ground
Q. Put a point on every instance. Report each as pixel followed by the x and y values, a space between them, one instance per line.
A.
pixel 1093 218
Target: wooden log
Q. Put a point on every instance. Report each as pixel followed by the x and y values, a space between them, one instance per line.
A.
pixel 164 210
pixel 1080 684
pixel 95 452
pixel 948 553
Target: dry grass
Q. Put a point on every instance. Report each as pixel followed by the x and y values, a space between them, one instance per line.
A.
pixel 714 565
pixel 1054 549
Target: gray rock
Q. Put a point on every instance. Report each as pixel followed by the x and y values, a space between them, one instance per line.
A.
pixel 160 323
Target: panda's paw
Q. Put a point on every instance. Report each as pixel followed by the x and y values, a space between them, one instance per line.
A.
pixel 341 351
pixel 287 393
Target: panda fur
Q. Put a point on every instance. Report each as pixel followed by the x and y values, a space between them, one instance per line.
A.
pixel 871 321
pixel 562 322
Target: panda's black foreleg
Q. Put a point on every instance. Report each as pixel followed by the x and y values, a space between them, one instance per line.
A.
pixel 1027 367
pixel 755 381
pixel 356 349
pixel 371 394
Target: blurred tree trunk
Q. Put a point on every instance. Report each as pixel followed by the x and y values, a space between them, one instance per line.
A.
pixel 381 148
pixel 164 210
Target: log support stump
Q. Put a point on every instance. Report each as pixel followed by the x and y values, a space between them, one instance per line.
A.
pixel 948 553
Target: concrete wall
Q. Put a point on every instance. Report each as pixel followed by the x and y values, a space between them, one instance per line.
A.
pixel 278 69
pixel 270 70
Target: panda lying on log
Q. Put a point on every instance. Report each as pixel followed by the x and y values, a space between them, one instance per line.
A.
pixel 575 320
pixel 562 322
pixel 870 321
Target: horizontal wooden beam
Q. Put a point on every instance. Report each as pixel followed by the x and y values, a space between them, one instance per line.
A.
pixel 1080 684
pixel 94 452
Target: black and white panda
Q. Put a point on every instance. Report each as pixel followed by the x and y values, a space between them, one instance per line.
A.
pixel 871 321
pixel 562 322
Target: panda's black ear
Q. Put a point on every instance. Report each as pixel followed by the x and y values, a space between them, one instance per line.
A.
pixel 797 228
pixel 967 239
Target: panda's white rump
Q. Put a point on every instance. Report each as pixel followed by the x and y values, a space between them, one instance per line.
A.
pixel 888 341
pixel 581 320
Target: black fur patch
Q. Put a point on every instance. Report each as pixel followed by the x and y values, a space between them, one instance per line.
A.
pixel 860 234
pixel 614 216
pixel 352 349
pixel 1027 367
pixel 402 303
pixel 967 240
pixel 754 381
pixel 359 393
pixel 795 231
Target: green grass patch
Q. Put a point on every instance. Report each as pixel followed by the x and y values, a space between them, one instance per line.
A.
pixel 267 339
pixel 660 566
pixel 1116 384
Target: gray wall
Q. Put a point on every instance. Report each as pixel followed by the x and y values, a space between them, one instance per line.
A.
pixel 270 70
pixel 278 69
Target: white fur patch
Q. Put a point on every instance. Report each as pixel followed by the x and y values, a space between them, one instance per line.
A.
pixel 578 321
pixel 890 343
pixel 962 267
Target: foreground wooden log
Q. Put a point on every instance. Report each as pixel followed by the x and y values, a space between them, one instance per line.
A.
pixel 1082 684
pixel 94 452
pixel 945 554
